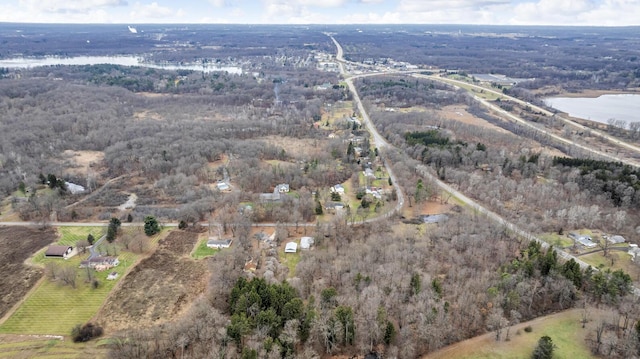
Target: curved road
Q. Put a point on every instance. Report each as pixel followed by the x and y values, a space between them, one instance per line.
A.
pixel 423 170
pixel 521 121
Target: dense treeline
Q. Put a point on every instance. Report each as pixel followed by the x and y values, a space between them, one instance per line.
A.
pixel 406 294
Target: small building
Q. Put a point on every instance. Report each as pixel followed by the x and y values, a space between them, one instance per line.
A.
pixel 333 206
pixel 306 242
pixel 57 251
pixel 291 247
pixel 112 276
pixel 223 186
pixel 282 188
pixel 74 188
pixel 337 189
pixel 368 172
pixel 615 239
pixel 219 243
pixel 583 240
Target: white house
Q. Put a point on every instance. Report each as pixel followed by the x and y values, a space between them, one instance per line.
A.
pixel 223 186
pixel 306 242
pixel 74 188
pixel 282 188
pixel 291 247
pixel 338 189
pixel 219 243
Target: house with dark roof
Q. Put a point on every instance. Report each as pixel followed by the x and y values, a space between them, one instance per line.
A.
pixel 58 251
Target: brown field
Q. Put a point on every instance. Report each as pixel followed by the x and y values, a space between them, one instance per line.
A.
pixel 159 288
pixel 294 146
pixel 459 113
pixel 17 244
pixel 80 161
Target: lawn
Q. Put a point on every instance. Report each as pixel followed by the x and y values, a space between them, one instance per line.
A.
pixel 564 329
pixel 33 347
pixel 53 308
pixel 290 260
pixel 557 240
pixel 621 260
pixel 202 251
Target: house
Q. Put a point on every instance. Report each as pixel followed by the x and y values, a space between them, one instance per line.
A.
pixel 112 276
pixel 100 263
pixel 291 247
pixel 615 239
pixel 219 243
pixel 282 188
pixel 368 172
pixel 334 206
pixel 306 242
pixel 582 239
pixel 337 189
pixel 74 188
pixel 223 186
pixel 57 251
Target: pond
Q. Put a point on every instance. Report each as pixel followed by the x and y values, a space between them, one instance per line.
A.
pixel 624 107
pixel 24 63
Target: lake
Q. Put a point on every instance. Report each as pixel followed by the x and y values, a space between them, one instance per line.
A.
pixel 625 107
pixel 24 63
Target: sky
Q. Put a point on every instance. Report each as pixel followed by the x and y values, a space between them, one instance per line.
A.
pixel 494 12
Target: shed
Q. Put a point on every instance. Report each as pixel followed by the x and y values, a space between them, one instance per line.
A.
pixel 306 242
pixel 57 251
pixel 112 276
pixel 291 247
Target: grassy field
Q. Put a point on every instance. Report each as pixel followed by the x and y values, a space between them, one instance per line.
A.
pixel 291 261
pixel 621 260
pixel 202 251
pixel 34 347
pixel 557 240
pixel 53 308
pixel 564 329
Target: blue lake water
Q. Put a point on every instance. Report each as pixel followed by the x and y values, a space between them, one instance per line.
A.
pixel 625 107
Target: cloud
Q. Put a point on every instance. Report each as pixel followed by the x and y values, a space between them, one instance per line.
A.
pixel 59 6
pixel 443 5
pixel 220 3
pixel 155 11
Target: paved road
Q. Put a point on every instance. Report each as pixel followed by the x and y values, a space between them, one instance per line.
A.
pixel 423 170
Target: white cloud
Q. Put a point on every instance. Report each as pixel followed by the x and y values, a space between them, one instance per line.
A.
pixel 83 6
pixel 443 5
pixel 155 11
pixel 220 3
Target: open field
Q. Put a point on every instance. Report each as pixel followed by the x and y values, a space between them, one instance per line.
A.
pixel 23 347
pixel 621 260
pixel 564 329
pixel 55 309
pixel 17 244
pixel 159 288
pixel 202 251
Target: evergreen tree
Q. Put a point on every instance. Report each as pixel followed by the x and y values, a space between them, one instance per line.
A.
pixel 151 225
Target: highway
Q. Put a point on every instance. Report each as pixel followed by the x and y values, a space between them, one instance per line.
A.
pixel 424 171
pixel 528 124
